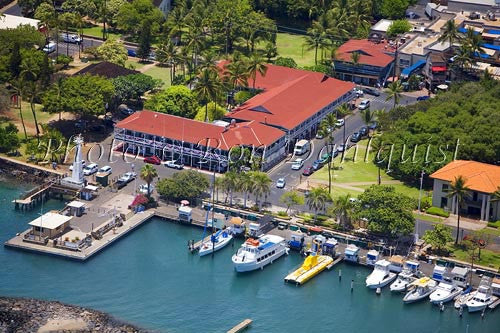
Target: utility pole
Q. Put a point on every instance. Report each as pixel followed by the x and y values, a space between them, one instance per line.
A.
pixel 419 202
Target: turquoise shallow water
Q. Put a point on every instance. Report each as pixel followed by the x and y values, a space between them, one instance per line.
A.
pixel 150 279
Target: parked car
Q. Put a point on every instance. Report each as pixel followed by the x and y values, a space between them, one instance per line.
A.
pixel 106 170
pixel 71 38
pixel 131 53
pixel 422 98
pixel 50 47
pixel 412 15
pixel 373 125
pixel 340 122
pixel 364 131
pixel 126 111
pixel 371 91
pixel 127 177
pixel 319 135
pixel 358 91
pixel 280 183
pixel 153 160
pixel 282 226
pixel 143 188
pixel 90 169
pixel 365 104
pixel 174 165
pixel 308 171
pixel 340 148
pixel 318 164
pixel 297 164
pixel 120 183
pixel 71 166
pixel 355 137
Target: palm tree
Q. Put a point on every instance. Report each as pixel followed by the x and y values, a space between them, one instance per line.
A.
pixel 256 64
pixel 195 43
pixel 343 110
pixel 148 174
pixel 355 62
pixel 342 208
pixel 394 92
pixel 230 185
pixel 458 191
pixel 17 85
pixel 315 40
pixel 368 116
pixel 317 199
pixel 496 195
pixel 327 128
pixel 474 41
pixel 450 33
pixel 218 185
pixel 246 185
pixel 208 87
pixel 236 73
pixel 262 185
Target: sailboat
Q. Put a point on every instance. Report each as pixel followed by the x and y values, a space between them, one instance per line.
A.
pixel 217 241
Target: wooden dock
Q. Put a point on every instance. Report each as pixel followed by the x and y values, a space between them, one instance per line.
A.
pixel 494 304
pixel 241 326
pixel 335 262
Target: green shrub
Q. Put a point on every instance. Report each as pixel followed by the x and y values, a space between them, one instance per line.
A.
pixel 286 62
pixel 494 224
pixel 242 96
pixel 437 211
pixel 282 213
pixel 426 203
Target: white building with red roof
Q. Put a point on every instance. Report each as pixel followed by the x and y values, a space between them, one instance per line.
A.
pixel 290 107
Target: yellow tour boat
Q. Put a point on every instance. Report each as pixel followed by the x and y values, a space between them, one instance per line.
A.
pixel 312 266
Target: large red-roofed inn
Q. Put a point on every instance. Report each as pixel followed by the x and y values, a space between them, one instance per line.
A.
pixel 290 107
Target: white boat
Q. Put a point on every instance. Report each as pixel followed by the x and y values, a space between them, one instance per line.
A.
pixel 495 286
pixel 238 226
pixel 482 297
pixel 351 253
pixel 423 287
pixel 372 257
pixel 257 253
pixel 445 292
pixel 397 263
pixel 381 276
pixel 220 239
pixel 408 275
pixel 459 276
pixel 463 298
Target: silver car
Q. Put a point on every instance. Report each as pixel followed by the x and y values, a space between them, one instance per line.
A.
pixel 281 183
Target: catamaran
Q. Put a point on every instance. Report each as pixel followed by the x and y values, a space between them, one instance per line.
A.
pixel 257 253
pixel 217 241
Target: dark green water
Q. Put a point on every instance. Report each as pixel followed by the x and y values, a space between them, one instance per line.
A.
pixel 150 279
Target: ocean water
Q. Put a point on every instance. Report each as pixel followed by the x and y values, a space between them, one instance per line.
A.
pixel 149 279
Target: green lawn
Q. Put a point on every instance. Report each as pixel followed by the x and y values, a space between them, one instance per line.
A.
pixel 97 32
pixel 162 73
pixel 354 169
pixel 134 63
pixel 428 218
pixel 492 231
pixel 292 46
pixel 488 258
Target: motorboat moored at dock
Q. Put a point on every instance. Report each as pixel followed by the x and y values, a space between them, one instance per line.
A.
pixel 459 276
pixel 381 276
pixel 423 288
pixel 397 263
pixel 257 253
pixel 297 240
pixel 445 292
pixel 351 253
pixel 238 226
pixel 408 275
pixel 438 273
pixel 217 241
pixel 482 297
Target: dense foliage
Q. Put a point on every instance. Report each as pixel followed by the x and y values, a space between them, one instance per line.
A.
pixel 9 141
pixel 438 237
pixel 81 94
pixel 215 112
pixel 175 100
pixel 387 211
pixel 463 121
pixel 187 184
pixel 398 27
pixel 133 86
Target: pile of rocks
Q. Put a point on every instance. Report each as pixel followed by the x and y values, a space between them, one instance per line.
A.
pixel 30 315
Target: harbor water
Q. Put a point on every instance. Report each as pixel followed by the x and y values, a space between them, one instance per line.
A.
pixel 150 279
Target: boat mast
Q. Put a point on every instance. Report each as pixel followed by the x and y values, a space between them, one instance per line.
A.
pixel 213 213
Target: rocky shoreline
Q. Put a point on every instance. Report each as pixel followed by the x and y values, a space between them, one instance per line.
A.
pixel 31 315
pixel 24 173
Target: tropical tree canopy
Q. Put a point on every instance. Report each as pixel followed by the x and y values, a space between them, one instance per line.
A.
pixel 175 100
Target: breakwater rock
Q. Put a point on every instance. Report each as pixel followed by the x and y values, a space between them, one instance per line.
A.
pixel 31 315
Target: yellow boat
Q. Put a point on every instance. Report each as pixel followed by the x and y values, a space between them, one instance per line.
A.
pixel 312 266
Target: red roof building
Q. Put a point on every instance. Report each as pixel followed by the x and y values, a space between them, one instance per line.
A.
pixel 374 63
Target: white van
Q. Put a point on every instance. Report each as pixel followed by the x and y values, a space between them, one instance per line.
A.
pixel 50 47
pixel 90 169
pixel 71 38
pixel 301 147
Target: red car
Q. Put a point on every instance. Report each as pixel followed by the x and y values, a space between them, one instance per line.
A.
pixel 152 160
pixel 308 171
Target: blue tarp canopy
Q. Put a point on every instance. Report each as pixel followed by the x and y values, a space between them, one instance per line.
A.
pixel 491 46
pixel 463 30
pixel 482 55
pixel 409 70
pixel 494 32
